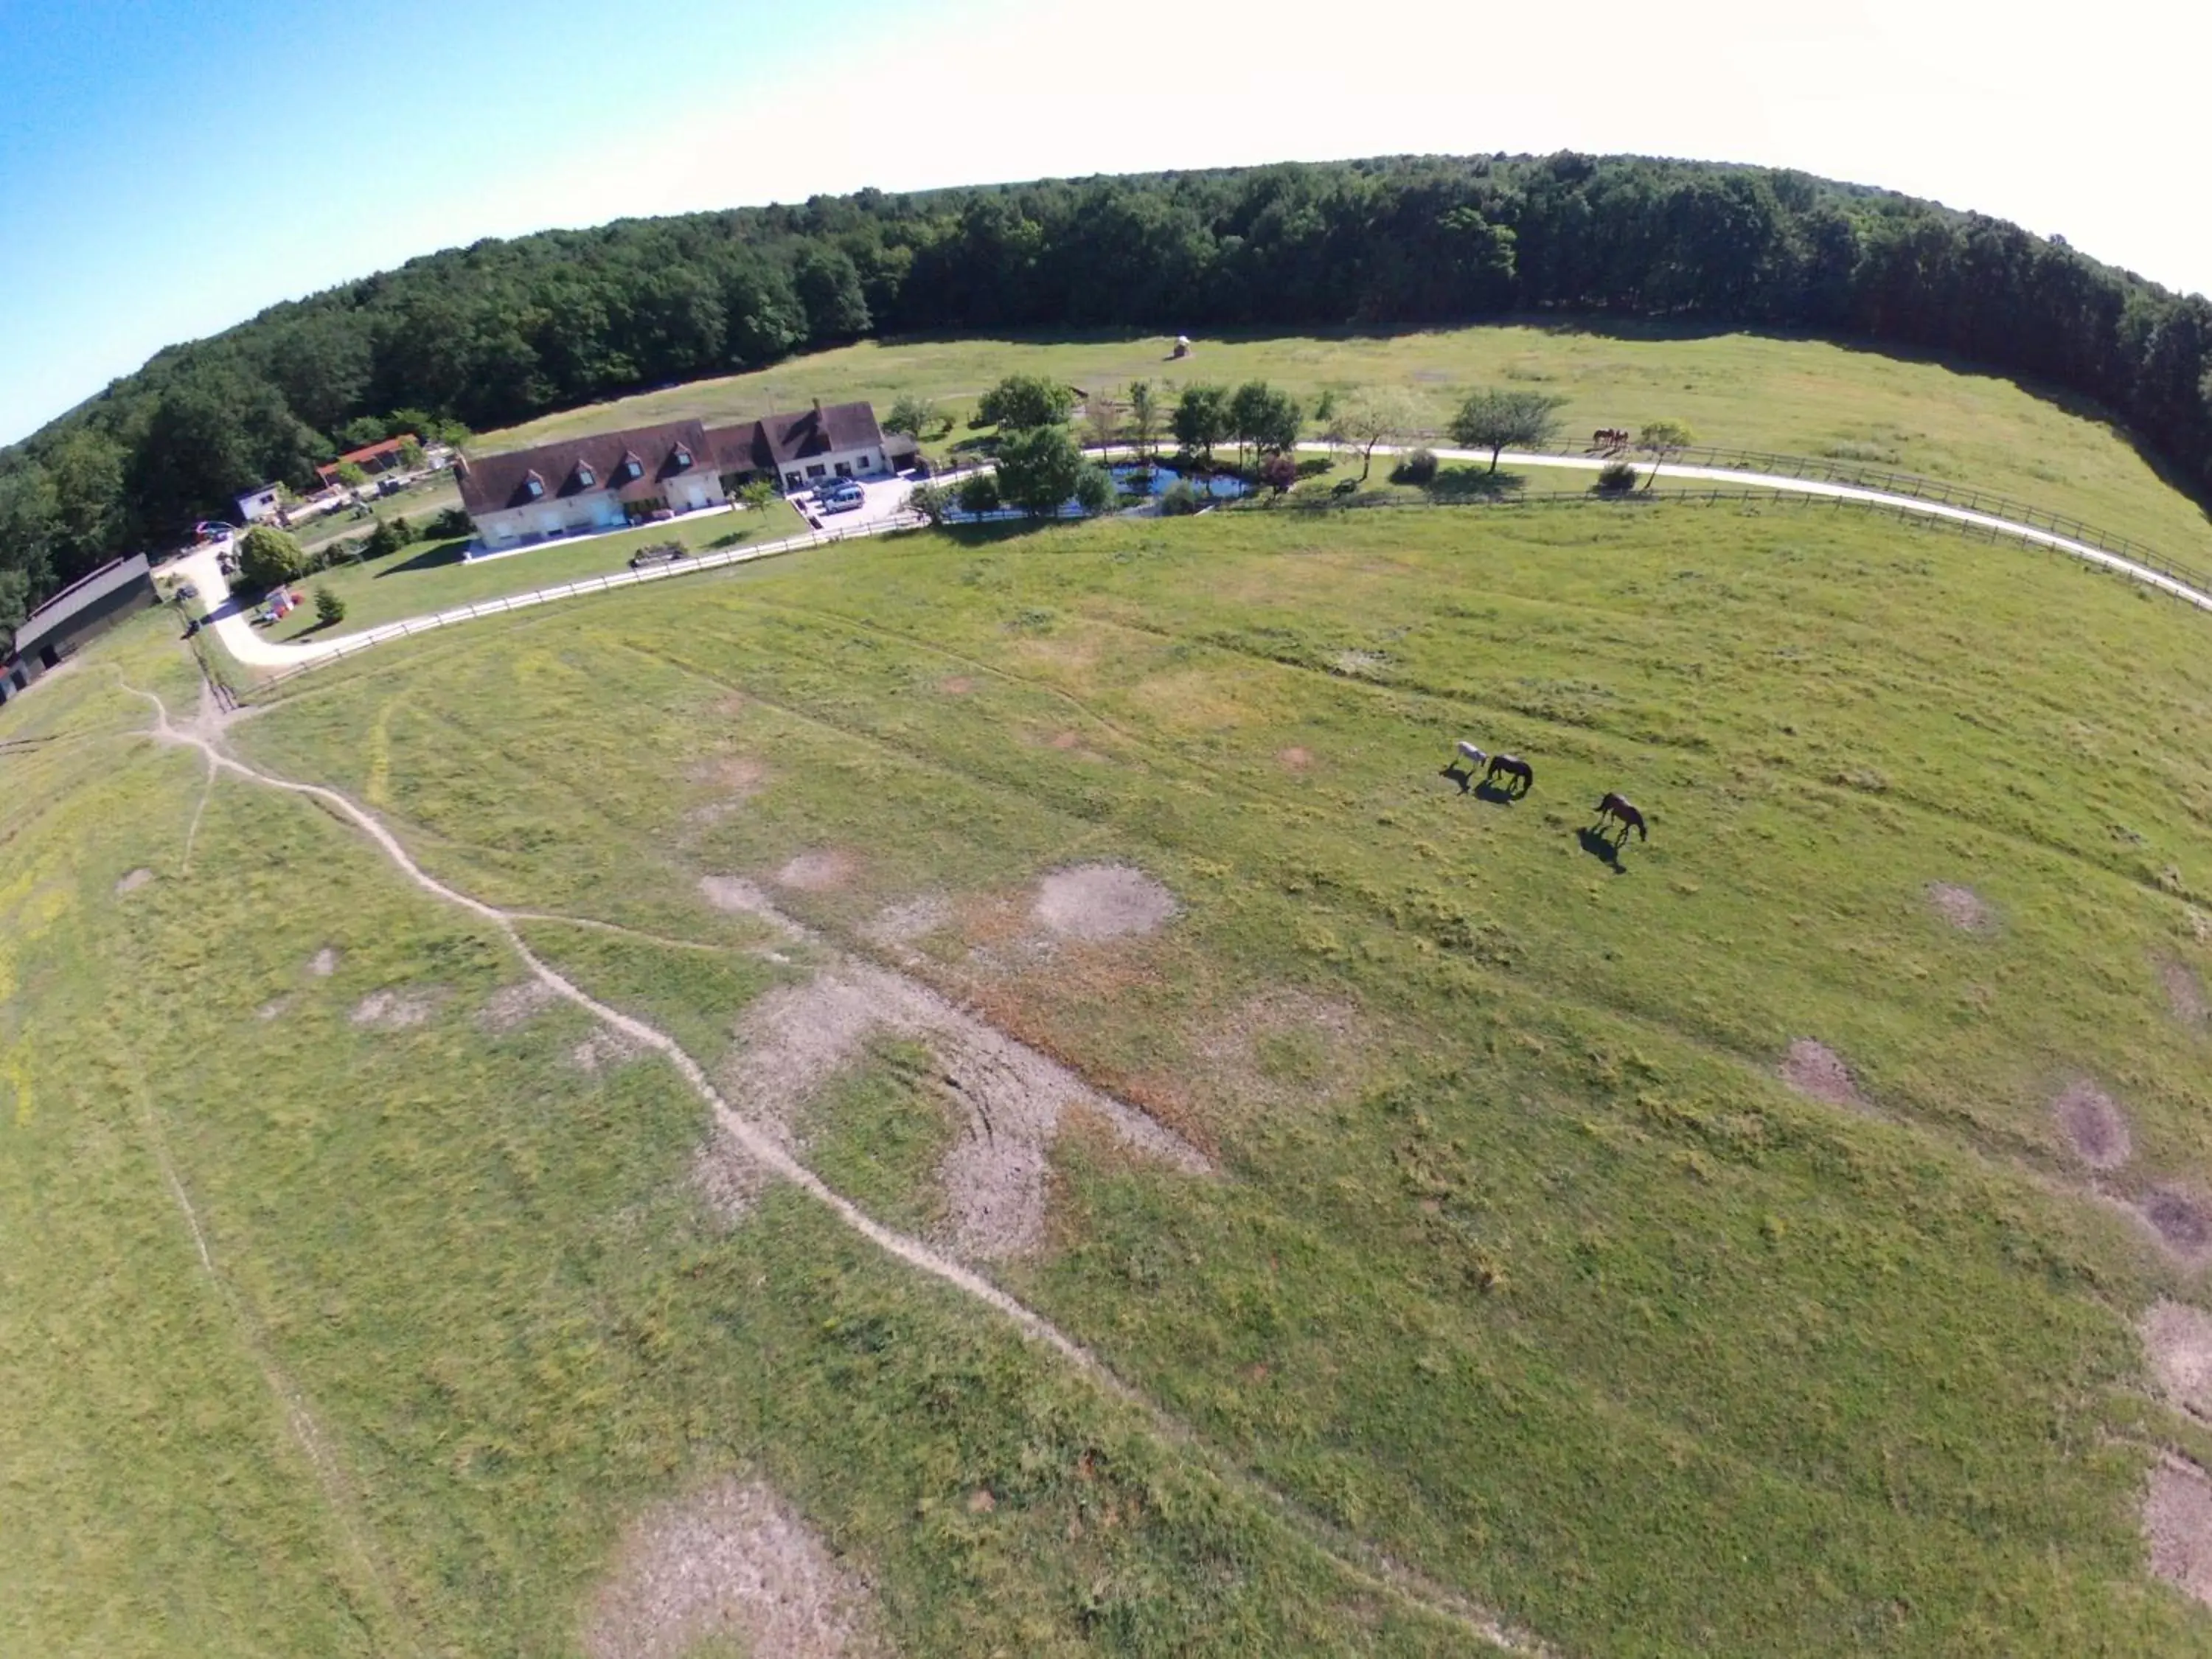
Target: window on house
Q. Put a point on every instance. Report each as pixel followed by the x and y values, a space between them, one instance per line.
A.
pixel 585 478
pixel 817 471
pixel 843 471
pixel 533 486
pixel 683 458
pixel 792 478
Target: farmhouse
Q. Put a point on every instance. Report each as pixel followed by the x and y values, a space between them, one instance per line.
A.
pixel 597 483
pixel 613 478
pixel 87 607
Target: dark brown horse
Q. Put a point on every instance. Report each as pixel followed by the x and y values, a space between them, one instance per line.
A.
pixel 1619 807
pixel 1523 775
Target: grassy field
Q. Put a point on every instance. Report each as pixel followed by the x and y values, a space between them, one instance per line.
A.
pixel 418 504
pixel 1517 1259
pixel 1793 396
pixel 429 576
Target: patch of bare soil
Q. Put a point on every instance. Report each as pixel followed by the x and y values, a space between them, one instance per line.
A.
pixel 956 685
pixel 2094 1127
pixel 2178 1337
pixel 1010 1097
pixel 269 1010
pixel 1816 1070
pixel 2185 992
pixel 2177 1519
pixel 1064 740
pixel 134 881
pixel 735 775
pixel 821 870
pixel 2182 1223
pixel 603 1051
pixel 1102 901
pixel 396 1011
pixel 902 923
pixel 742 897
pixel 727 1177
pixel 1294 759
pixel 512 1006
pixel 733 1561
pixel 1281 1048
pixel 1961 907
pixel 323 962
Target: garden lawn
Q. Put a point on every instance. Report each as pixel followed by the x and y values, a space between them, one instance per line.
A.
pixel 429 576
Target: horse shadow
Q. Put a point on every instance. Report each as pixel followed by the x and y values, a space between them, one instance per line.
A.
pixel 1603 848
pixel 1498 794
pixel 1464 780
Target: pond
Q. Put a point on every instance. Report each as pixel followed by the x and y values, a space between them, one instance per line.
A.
pixel 1131 481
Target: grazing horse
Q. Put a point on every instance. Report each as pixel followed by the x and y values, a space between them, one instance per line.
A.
pixel 1619 807
pixel 1523 775
pixel 1473 757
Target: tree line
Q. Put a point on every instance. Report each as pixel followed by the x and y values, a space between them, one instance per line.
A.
pixel 500 331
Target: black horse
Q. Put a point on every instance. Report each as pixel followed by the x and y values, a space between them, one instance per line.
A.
pixel 1617 807
pixel 1523 775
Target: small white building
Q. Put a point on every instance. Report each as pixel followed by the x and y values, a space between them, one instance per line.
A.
pixel 261 504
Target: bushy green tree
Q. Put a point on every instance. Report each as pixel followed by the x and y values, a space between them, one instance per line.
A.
pixel 1094 489
pixel 1496 416
pixel 269 558
pixel 933 501
pixel 915 417
pixel 389 536
pixel 1144 417
pixel 351 474
pixel 330 609
pixel 755 493
pixel 452 525
pixel 1373 416
pixel 1022 401
pixel 979 493
pixel 1265 418
pixel 1179 499
pixel 1201 419
pixel 1039 467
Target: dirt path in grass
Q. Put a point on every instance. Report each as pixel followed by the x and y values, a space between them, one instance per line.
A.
pixel 1354 1556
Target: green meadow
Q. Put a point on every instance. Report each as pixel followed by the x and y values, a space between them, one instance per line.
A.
pixel 1790 395
pixel 368 1309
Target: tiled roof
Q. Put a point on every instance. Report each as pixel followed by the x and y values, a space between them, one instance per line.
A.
pixel 498 482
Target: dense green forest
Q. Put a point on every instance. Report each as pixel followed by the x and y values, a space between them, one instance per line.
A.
pixel 503 331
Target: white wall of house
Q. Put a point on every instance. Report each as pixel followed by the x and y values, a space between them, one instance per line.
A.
pixel 258 506
pixel 835 464
pixel 589 509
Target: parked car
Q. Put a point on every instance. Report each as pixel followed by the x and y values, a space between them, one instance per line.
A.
pixel 837 488
pixel 843 503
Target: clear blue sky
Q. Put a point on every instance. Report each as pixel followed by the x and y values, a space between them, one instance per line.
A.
pixel 171 167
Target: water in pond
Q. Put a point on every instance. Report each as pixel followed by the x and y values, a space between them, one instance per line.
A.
pixel 1131 480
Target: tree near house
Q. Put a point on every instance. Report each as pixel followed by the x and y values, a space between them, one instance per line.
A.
pixel 411 455
pixel 1144 417
pixel 330 609
pixel 1372 416
pixel 351 474
pixel 1494 418
pixel 1022 401
pixel 915 417
pixel 268 557
pixel 1039 467
pixel 1201 419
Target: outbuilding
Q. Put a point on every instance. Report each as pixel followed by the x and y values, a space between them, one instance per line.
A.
pixel 87 607
pixel 261 504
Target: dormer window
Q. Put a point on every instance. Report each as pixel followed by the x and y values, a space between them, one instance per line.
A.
pixel 629 471
pixel 533 485
pixel 683 458
pixel 585 476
